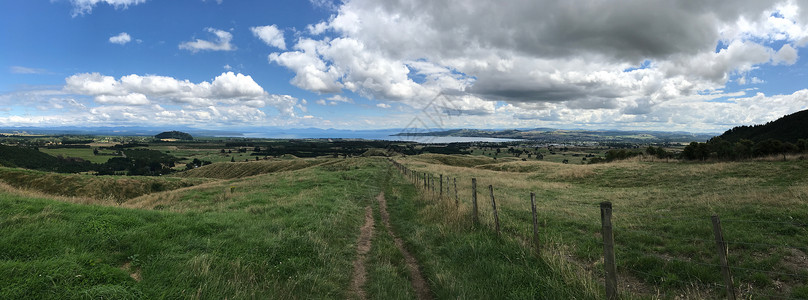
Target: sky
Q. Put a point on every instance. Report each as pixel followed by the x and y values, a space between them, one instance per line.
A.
pixel 697 66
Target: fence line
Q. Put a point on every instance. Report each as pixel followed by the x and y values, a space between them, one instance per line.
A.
pixel 724 266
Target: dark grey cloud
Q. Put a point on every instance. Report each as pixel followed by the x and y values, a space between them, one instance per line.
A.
pixel 630 30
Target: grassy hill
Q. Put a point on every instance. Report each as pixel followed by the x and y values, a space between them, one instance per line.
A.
pixel 176 135
pixel 109 189
pixel 289 229
pixel 244 169
pixel 790 128
pixel 662 211
pixel 289 235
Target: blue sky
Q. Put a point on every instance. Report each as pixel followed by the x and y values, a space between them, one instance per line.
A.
pixel 363 64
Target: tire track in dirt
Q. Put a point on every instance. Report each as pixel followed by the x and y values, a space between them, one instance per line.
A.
pixel 362 249
pixel 416 279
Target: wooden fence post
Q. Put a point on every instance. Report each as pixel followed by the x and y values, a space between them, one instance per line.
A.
pixel 494 205
pixel 608 250
pixel 447 187
pixel 457 199
pixel 721 246
pixel 535 221
pixel 474 200
pixel 424 181
pixel 441 185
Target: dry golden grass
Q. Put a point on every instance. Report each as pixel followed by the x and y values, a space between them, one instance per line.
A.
pixel 37 194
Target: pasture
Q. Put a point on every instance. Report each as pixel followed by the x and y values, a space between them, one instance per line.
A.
pixel 290 228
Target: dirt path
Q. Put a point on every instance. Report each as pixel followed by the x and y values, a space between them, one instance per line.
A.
pixel 362 249
pixel 416 279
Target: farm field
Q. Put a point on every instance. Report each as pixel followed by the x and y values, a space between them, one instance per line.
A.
pixel 290 229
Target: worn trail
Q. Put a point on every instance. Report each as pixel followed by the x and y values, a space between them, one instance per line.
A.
pixel 416 279
pixel 362 249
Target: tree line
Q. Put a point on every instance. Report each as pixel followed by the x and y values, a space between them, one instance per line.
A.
pixel 719 148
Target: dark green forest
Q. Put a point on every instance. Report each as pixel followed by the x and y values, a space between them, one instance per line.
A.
pixel 787 135
pixel 788 129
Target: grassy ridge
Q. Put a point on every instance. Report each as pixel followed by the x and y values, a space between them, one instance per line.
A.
pixel 662 218
pixel 109 189
pixel 277 236
pixel 245 169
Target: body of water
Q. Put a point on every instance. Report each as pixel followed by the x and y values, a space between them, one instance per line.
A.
pixel 386 136
pixel 444 139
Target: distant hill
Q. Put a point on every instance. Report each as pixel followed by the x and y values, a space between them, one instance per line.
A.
pixel 558 135
pixel 789 128
pixel 178 135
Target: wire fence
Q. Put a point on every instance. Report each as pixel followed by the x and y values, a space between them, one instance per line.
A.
pixel 713 254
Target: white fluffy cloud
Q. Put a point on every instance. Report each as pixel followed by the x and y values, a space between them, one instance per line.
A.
pixel 271 35
pixel 787 55
pixel 128 99
pixel 616 61
pixel 228 88
pixel 120 39
pixel 229 98
pixel 81 7
pixel 221 43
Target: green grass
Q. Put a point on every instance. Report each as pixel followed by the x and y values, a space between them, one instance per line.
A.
pixel 107 189
pixel 83 153
pixel 462 261
pixel 213 154
pixel 229 170
pixel 296 243
pixel 662 212
pixel 289 230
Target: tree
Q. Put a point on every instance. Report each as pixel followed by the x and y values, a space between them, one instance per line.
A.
pixel 661 153
pixel 802 144
pixel 233 159
pixel 767 147
pixel 743 149
pixel 696 151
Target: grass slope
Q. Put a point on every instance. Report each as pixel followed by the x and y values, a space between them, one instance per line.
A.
pixel 661 218
pixel 108 189
pixel 462 261
pixel 279 235
pixel 228 170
